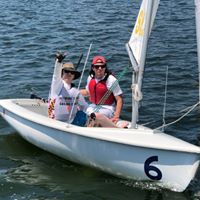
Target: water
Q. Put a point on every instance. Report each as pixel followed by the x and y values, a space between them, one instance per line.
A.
pixel 31 32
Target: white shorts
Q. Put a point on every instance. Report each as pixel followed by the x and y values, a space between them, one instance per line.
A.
pixel 106 110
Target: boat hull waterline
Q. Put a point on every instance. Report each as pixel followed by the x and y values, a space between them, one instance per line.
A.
pixel 126 153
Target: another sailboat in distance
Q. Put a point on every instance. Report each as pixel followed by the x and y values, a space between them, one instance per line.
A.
pixel 137 153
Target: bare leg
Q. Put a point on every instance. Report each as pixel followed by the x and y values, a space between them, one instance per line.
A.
pixel 103 121
pixel 100 120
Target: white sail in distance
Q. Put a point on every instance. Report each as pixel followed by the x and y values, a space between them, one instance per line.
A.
pixel 143 23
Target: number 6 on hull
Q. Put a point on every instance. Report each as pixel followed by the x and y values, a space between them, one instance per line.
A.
pixel 148 168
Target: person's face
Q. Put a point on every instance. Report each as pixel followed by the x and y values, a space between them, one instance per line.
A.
pixel 68 76
pixel 99 70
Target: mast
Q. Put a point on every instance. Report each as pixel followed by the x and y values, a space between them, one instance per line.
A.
pixel 197 14
pixel 137 49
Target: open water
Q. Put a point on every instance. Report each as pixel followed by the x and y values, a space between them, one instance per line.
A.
pixel 32 31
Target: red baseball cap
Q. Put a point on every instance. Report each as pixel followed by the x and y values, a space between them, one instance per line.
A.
pixel 99 60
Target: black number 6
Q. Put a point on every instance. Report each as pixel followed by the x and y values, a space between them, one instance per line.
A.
pixel 148 168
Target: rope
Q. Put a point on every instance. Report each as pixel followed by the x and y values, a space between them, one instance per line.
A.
pixel 137 94
pixel 165 98
pixel 192 108
pixel 166 78
pixel 84 66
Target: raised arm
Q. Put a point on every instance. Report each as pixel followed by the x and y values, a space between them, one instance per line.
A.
pixel 56 83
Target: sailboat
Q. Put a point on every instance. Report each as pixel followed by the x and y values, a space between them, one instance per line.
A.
pixel 138 152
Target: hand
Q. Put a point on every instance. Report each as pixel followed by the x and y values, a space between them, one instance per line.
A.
pixel 115 119
pixel 60 57
pixel 91 120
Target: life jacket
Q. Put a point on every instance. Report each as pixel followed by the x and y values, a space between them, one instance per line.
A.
pixel 60 107
pixel 98 90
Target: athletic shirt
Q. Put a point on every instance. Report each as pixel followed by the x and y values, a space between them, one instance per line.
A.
pixel 61 98
pixel 64 102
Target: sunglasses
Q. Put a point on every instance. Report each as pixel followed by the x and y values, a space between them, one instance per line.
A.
pixel 98 66
pixel 67 71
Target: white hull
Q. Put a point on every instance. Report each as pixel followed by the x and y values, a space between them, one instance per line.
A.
pixel 138 154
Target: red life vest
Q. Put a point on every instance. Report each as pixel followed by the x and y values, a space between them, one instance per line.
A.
pixel 98 90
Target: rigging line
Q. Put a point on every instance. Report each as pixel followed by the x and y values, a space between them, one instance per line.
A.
pixel 185 109
pixel 84 65
pixel 86 60
pixel 165 98
pixel 192 108
pixel 166 77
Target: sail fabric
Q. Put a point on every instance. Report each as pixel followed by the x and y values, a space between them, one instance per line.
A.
pixel 148 9
pixel 197 11
pixel 137 48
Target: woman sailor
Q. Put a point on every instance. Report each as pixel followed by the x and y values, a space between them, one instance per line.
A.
pixel 63 94
pixel 103 90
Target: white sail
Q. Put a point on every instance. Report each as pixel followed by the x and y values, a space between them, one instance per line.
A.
pixel 137 48
pixel 142 28
pixel 197 12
